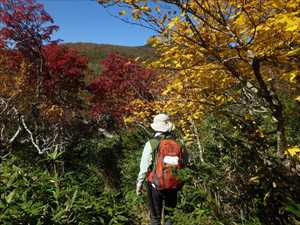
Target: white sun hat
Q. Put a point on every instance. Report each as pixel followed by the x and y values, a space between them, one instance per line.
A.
pixel 162 123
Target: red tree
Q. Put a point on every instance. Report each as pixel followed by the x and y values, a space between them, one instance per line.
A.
pixel 121 81
pixel 55 71
pixel 40 80
pixel 26 26
pixel 64 74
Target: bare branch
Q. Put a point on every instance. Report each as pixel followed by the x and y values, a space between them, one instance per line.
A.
pixel 31 136
pixel 105 133
pixel 15 135
pixel 144 128
pixel 201 150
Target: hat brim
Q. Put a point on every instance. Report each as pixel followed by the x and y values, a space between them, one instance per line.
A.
pixel 162 127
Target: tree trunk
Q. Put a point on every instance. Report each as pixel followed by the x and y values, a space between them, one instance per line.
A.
pixel 274 104
pixel 281 138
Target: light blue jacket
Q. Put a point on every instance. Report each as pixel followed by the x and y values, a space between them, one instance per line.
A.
pixel 146 162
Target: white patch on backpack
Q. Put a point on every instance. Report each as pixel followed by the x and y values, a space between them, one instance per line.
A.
pixel 172 160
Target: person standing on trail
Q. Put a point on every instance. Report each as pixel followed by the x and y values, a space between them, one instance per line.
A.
pixel 162 158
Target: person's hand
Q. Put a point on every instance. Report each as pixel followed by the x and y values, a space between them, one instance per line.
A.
pixel 139 189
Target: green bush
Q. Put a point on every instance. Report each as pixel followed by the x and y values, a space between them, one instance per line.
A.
pixel 30 195
pixel 241 181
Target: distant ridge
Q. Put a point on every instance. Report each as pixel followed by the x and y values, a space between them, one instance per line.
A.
pixel 96 52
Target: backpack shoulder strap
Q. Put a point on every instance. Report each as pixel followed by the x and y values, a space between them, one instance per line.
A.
pixel 154 143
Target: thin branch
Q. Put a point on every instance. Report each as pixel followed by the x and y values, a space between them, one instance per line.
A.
pixel 105 133
pixel 198 140
pixel 1 133
pixel 144 128
pixel 31 136
pixel 15 135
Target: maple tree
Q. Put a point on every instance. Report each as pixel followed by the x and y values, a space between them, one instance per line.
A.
pixel 41 81
pixel 215 46
pixel 26 27
pixel 121 81
pixel 65 71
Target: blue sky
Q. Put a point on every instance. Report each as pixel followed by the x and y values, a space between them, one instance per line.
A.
pixel 87 21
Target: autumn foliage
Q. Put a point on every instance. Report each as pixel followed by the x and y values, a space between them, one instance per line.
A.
pixel 26 26
pixel 226 71
pixel 65 71
pixel 216 46
pixel 41 80
pixel 122 80
pixel 232 67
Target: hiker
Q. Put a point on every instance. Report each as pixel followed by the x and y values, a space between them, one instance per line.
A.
pixel 161 153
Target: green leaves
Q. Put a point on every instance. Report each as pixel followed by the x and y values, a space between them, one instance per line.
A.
pixel 10 196
pixel 40 197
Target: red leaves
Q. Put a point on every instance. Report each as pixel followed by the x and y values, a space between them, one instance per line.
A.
pixel 25 25
pixel 121 81
pixel 10 61
pixel 64 61
pixel 52 70
pixel 121 75
pixel 54 74
pixel 65 69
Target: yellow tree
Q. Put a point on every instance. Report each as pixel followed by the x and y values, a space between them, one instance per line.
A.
pixel 216 44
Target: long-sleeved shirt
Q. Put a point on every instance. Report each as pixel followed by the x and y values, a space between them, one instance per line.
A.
pixel 146 162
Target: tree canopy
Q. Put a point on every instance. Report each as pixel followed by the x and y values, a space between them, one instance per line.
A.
pixel 215 46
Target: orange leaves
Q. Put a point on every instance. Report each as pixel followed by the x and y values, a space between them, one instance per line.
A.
pixel 54 113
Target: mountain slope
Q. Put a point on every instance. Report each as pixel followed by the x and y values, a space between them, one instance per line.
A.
pixel 96 52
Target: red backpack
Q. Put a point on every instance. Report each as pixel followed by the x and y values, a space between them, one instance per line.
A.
pixel 167 162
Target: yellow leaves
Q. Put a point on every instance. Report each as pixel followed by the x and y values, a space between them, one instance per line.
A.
pixel 286 22
pixel 145 8
pixel 294 52
pixel 166 91
pixel 173 22
pixel 293 24
pixel 177 65
pixel 19 81
pixel 241 19
pixel 122 13
pixel 297 98
pixel 197 79
pixel 143 111
pixel 277 4
pixel 153 41
pixel 136 14
pixel 259 133
pixel 279 30
pixel 254 180
pixel 293 75
pixel 52 111
pixel 157 8
pixel 128 120
pixel 295 4
pixel 293 151
pixel 220 99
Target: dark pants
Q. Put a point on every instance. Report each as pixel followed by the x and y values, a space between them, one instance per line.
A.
pixel 158 199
